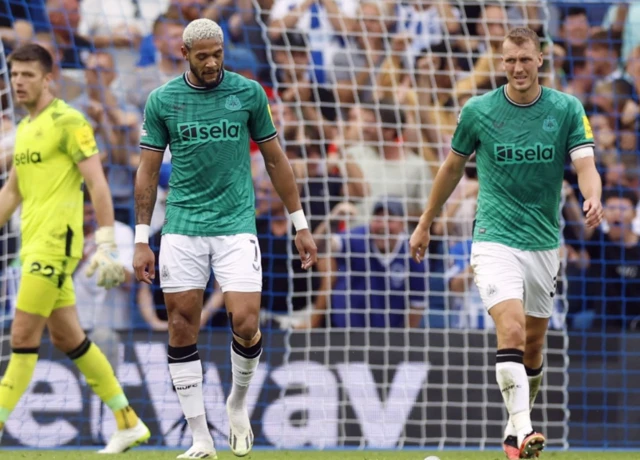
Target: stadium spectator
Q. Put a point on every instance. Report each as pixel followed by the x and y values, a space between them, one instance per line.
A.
pixel 614 273
pixel 19 21
pixel 118 25
pixel 64 17
pixel 296 86
pixel 322 187
pixel 603 52
pixel 99 308
pixel 579 76
pixel 486 72
pixel 324 21
pixel 167 39
pixel 425 24
pixel 624 18
pixel 354 67
pixel 387 167
pixel 117 125
pixel 375 283
pixel 573 36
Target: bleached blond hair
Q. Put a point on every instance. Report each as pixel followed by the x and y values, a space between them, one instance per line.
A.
pixel 201 29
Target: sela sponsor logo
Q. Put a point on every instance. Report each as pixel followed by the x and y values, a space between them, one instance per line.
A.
pixel 27 158
pixel 512 154
pixel 195 133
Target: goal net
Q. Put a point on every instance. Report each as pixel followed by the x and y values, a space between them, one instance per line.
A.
pixel 366 350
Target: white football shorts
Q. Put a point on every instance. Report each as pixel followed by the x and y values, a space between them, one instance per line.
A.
pixel 502 273
pixel 186 262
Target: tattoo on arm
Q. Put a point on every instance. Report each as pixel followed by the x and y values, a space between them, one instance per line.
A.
pixel 145 200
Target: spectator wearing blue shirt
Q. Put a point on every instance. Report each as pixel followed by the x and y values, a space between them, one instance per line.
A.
pixel 377 284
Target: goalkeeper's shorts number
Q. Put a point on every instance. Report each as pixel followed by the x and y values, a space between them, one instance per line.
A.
pixel 38 268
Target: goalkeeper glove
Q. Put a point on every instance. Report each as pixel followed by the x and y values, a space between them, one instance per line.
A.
pixel 105 260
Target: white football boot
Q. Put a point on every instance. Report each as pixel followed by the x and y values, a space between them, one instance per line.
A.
pixel 123 440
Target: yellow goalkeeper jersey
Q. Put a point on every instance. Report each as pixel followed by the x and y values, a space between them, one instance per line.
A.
pixel 47 151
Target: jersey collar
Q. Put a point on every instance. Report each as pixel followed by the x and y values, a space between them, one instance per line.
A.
pixel 512 102
pixel 203 88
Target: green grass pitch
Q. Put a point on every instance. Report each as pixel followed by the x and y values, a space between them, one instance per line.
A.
pixel 311 455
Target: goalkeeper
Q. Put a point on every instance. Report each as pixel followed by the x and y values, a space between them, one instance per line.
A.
pixel 55 151
pixel 522 134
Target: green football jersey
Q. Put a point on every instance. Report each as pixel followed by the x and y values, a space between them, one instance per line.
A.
pixel 521 152
pixel 208 130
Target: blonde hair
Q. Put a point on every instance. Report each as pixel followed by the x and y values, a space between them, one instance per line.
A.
pixel 201 29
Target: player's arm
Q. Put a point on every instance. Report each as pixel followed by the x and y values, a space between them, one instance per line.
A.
pixel 105 260
pixel 10 198
pixel 281 175
pixel 447 179
pixel 153 142
pixel 590 185
pixel 98 187
pixel 146 185
pixel 264 133
pixel 464 143
pixel 580 146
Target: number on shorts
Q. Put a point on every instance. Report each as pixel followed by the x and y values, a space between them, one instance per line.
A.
pixel 47 270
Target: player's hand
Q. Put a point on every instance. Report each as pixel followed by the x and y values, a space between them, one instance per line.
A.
pixel 144 263
pixel 307 248
pixel 105 260
pixel 593 212
pixel 419 243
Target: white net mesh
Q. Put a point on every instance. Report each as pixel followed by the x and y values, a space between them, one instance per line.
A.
pixel 368 351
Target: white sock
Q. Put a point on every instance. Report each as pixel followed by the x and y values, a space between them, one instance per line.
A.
pixel 187 380
pixel 534 387
pixel 242 369
pixel 514 385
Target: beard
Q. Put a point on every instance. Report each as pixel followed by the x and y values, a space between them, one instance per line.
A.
pixel 201 80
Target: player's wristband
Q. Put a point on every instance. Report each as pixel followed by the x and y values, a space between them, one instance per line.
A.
pixel 142 234
pixel 299 220
pixel 105 235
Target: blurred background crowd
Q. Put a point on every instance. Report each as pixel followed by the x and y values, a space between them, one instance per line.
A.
pixel 365 95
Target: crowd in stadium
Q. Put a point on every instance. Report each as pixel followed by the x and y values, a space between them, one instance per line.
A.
pixel 365 95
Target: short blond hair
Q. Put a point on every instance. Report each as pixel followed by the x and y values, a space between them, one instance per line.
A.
pixel 521 35
pixel 201 29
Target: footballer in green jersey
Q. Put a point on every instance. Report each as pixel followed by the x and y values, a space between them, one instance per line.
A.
pixel 207 118
pixel 521 135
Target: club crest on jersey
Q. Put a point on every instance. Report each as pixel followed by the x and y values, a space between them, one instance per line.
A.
pixel 233 103
pixel 550 124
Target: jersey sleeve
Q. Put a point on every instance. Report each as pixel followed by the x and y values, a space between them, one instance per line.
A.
pixel 154 134
pixel 78 140
pixel 261 127
pixel 465 138
pixel 580 133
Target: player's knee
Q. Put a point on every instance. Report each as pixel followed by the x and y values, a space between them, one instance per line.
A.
pixel 512 335
pixel 534 348
pixel 63 342
pixel 183 329
pixel 22 339
pixel 246 326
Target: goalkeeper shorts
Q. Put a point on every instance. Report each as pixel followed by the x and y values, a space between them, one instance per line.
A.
pixel 186 262
pixel 502 273
pixel 46 284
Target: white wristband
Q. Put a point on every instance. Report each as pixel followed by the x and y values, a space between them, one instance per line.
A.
pixel 142 234
pixel 299 220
